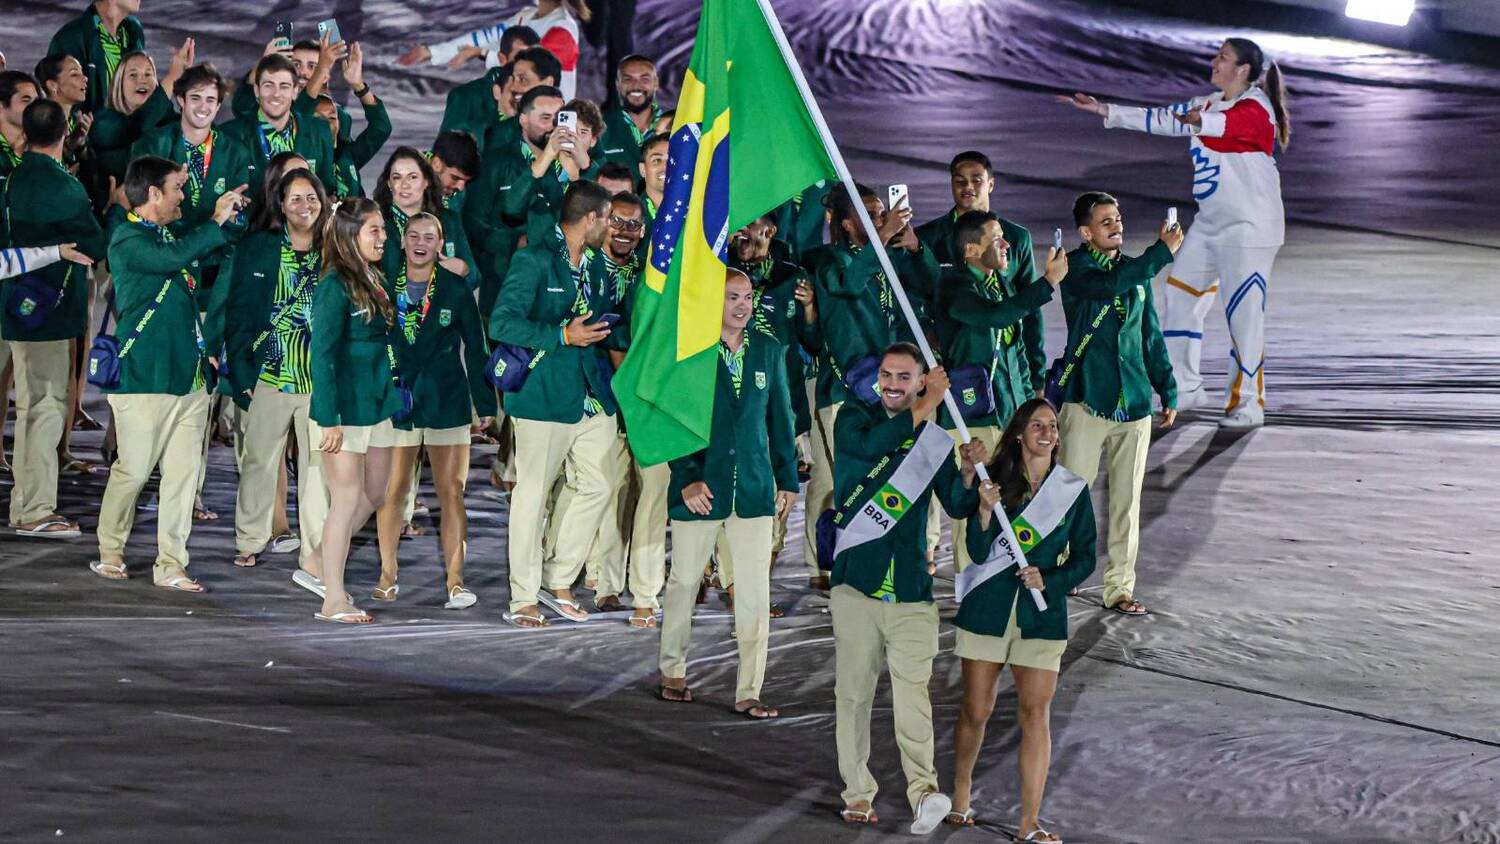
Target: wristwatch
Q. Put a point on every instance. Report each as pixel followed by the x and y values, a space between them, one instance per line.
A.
pixel 360 93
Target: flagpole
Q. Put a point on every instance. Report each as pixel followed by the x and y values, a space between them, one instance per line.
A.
pixel 875 242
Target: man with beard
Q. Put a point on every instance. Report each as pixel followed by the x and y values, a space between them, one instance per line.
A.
pixel 274 128
pixel 972 180
pixel 17 91
pixel 629 123
pixel 487 106
pixel 564 413
pixel 735 488
pixel 783 307
pixel 98 38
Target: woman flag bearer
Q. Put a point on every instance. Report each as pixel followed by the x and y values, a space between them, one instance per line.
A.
pixel 1240 223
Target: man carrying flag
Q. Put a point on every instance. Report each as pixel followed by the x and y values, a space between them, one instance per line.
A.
pixel 888 463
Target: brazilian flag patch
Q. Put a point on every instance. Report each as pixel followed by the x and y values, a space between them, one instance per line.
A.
pixel 1025 534
pixel 892 502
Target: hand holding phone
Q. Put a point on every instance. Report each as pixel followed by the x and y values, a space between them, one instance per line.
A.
pixel 283 33
pixel 608 320
pixel 330 29
pixel 898 195
pixel 1172 217
pixel 1057 239
pixel 568 120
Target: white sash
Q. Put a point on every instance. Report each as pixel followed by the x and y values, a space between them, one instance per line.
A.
pixel 1042 516
pixel 891 502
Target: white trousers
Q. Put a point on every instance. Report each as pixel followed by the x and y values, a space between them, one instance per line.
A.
pixel 1201 269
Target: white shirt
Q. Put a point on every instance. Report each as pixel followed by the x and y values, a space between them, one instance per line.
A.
pixel 557 29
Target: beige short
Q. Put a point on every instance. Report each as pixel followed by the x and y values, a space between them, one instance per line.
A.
pixel 358 439
pixel 1043 654
pixel 397 438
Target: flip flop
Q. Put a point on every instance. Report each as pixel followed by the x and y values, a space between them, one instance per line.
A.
pixel 460 598
pixel 354 616
pixel 181 583
pixel 561 606
pixel 767 713
pixel 611 603
pixel 964 818
pixel 860 816
pixel 643 622
pixel 245 561
pixel 78 467
pixel 44 529
pixel 203 514
pixel 931 810
pixel 386 593
pixel 109 571
pixel 1046 837
pixel 1123 607
pixel 285 543
pixel 524 621
pixel 312 584
pixel 685 694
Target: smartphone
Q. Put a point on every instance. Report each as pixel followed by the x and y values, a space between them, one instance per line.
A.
pixel 897 195
pixel 1057 239
pixel 609 320
pixel 1172 217
pixel 284 32
pixel 329 28
pixel 568 120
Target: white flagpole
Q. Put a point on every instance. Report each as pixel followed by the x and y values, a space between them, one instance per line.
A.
pixel 885 259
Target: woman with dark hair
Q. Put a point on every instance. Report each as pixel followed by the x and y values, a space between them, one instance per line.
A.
pixel 435 312
pixel 1240 224
pixel 1052 519
pixel 408 186
pixel 281 162
pixel 268 350
pixel 354 394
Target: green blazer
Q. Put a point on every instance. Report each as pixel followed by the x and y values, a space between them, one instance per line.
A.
pixel 471 108
pixel 621 140
pixel 228 168
pixel 351 153
pixel 351 371
pixel 493 233
pixel 752 447
pixel 240 310
pixel 312 143
pixel 447 386
pixel 114 134
pixel 976 327
pixel 535 302
pixel 79 38
pixel 801 222
pixel 853 321
pixel 45 205
pixel 863 434
pixel 1127 357
pixel 537 201
pixel 164 357
pixel 1066 557
pixel 778 312
pixel 455 244
pixel 1019 271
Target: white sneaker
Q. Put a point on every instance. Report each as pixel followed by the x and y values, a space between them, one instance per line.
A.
pixel 931 810
pixel 1244 419
pixel 1192 400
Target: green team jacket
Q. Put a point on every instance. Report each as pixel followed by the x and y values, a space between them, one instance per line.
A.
pixel 79 38
pixel 493 233
pixel 447 387
pixel 853 322
pixel 972 329
pixel 752 447
pixel 801 222
pixel 114 135
pixel 536 301
pixel 471 108
pixel 778 313
pixel 228 168
pixel 44 205
pixel 863 434
pixel 352 153
pixel 1127 358
pixel 164 357
pixel 455 244
pixel 351 371
pixel 1020 271
pixel 240 310
pixel 312 143
pixel 621 140
pixel 1066 557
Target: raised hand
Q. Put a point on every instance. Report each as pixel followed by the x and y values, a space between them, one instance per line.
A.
pixel 1083 102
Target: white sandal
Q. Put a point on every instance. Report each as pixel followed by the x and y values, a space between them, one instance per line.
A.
pixel 109 571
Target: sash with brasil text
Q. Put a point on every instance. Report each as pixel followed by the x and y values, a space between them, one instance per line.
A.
pixel 1021 534
pixel 915 469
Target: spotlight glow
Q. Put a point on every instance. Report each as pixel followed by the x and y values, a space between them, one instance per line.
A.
pixel 1393 12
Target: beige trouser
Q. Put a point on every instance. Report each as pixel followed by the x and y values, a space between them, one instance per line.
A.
pixel 1124 446
pixel 867 632
pixel 266 423
pixel 692 544
pixel 587 448
pixel 42 378
pixel 820 483
pixel 648 536
pixel 154 429
pixel 605 562
pixel 990 436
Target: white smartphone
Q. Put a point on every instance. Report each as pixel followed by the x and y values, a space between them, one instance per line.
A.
pixel 1172 217
pixel 329 28
pixel 1057 239
pixel 898 195
pixel 568 120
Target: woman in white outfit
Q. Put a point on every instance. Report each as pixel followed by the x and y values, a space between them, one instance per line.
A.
pixel 1239 226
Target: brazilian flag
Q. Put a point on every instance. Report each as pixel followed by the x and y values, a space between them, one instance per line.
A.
pixel 717 182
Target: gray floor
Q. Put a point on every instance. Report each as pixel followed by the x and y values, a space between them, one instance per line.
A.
pixel 1322 658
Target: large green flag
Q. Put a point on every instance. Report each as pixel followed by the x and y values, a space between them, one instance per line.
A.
pixel 717 182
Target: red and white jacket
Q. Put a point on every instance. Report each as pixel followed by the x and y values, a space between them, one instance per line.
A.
pixel 557 29
pixel 1235 180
